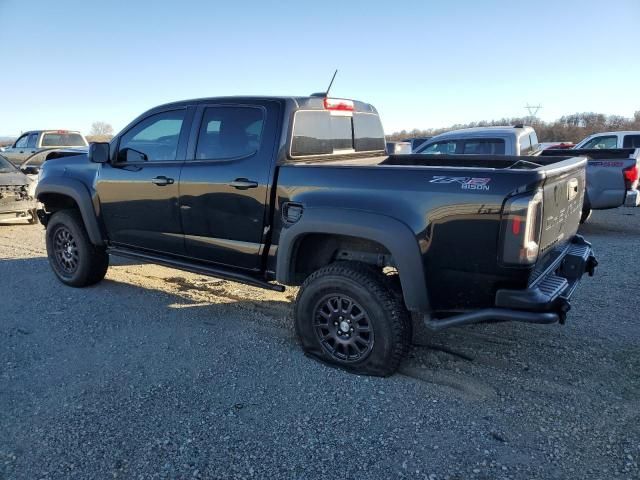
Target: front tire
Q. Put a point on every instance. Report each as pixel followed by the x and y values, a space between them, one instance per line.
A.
pixel 586 213
pixel 72 256
pixel 346 315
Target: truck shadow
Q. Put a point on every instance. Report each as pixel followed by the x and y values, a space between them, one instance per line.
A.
pixel 470 362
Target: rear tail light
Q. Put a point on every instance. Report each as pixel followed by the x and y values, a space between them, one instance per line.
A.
pixel 339 104
pixel 521 229
pixel 631 177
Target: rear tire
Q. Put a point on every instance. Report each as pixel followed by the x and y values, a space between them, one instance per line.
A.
pixel 72 256
pixel 347 315
pixel 586 213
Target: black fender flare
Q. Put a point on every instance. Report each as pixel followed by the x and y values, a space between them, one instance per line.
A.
pixel 393 234
pixel 78 192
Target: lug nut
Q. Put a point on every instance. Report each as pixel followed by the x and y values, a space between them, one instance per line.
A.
pixel 352 329
pixel 335 323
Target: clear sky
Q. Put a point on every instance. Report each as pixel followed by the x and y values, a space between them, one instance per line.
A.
pixel 68 63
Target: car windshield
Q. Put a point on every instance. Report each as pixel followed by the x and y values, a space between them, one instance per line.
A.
pixel 5 165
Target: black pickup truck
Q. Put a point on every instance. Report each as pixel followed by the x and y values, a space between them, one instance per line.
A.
pixel 299 191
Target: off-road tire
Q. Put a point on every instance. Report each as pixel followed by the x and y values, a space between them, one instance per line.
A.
pixel 77 263
pixel 370 292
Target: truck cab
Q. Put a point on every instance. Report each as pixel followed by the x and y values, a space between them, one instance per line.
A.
pixel 608 140
pixel 517 140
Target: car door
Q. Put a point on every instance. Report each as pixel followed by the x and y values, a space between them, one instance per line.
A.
pixel 16 153
pixel 225 182
pixel 138 190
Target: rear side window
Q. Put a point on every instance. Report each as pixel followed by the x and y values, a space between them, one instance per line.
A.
pixel 318 132
pixel 606 141
pixel 229 132
pixel 631 141
pixel 33 139
pixel 62 140
pixel 485 146
pixel 525 144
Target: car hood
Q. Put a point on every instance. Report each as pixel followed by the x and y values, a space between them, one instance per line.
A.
pixel 14 178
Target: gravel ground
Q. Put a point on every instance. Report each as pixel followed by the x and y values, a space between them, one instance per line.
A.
pixel 156 373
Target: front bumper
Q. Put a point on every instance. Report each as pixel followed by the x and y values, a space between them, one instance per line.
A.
pixel 632 198
pixel 546 300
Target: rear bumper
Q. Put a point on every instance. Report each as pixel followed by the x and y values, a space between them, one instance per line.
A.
pixel 546 300
pixel 632 198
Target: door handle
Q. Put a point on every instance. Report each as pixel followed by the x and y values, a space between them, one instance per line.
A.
pixel 161 181
pixel 243 184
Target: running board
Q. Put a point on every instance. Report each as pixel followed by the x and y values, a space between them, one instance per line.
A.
pixel 195 268
pixel 499 314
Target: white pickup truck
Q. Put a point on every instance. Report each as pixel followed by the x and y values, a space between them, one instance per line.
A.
pixel 603 140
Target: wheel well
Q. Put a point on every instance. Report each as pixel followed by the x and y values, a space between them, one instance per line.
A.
pixel 315 250
pixel 57 201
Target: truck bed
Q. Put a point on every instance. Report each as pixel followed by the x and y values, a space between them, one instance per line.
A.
pixel 452 204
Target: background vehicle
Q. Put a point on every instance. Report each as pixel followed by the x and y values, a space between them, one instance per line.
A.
pixel 416 142
pixel 36 141
pixel 612 177
pixel 555 145
pixel 608 140
pixel 611 174
pixel 518 140
pixel 16 194
pixel 398 148
pixel 300 190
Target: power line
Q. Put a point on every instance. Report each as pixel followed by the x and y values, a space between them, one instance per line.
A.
pixel 533 110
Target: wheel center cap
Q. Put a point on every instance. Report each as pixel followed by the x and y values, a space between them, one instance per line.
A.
pixel 344 326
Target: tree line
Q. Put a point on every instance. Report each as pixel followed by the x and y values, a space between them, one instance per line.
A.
pixel 569 128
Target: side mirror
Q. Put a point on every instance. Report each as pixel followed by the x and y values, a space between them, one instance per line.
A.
pixel 99 152
pixel 30 170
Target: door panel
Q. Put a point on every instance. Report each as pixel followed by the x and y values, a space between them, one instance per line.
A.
pixel 139 213
pixel 139 192
pixel 224 187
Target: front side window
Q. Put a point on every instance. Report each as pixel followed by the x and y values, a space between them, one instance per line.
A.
pixel 602 142
pixel 229 132
pixel 63 140
pixel 153 139
pixel 443 147
pixel 22 142
pixel 631 141
pixel 485 146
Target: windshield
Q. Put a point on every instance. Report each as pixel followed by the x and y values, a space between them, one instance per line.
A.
pixel 5 165
pixel 63 140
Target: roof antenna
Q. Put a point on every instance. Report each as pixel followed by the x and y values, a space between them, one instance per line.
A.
pixel 326 94
pixel 331 83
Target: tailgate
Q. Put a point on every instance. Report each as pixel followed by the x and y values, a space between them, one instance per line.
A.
pixel 563 195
